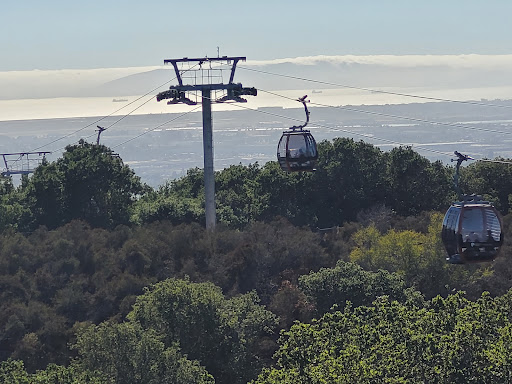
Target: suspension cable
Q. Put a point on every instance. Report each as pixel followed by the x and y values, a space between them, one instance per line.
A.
pixel 119 109
pixel 377 90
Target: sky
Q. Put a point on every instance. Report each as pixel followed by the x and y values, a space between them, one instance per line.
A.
pixel 59 50
pixel 63 34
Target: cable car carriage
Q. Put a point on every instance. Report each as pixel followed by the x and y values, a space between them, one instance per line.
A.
pixel 472 229
pixel 297 151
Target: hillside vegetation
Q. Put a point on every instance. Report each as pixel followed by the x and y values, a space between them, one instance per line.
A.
pixel 331 277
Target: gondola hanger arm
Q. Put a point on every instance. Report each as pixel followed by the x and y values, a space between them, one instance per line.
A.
pixel 303 101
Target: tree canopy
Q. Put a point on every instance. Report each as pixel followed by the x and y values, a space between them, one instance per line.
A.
pixel 106 280
pixel 449 340
pixel 89 182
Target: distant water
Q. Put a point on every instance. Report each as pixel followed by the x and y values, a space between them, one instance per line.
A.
pixel 160 145
pixel 102 106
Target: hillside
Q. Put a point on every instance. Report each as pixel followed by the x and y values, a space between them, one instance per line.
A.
pixel 90 257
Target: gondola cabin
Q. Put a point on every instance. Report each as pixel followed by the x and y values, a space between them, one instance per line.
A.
pixel 297 151
pixel 472 231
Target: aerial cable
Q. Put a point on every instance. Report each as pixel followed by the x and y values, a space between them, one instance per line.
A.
pixel 289 118
pixel 158 126
pixel 494 161
pixel 313 81
pixel 348 131
pixel 372 137
pixel 133 110
pixel 456 125
pixel 142 134
pixel 400 117
pixel 379 91
pixel 466 157
pixel 119 109
pixel 415 146
pixel 84 138
pixel 298 120
pixel 104 117
pixel 366 136
pixel 167 122
pixel 117 121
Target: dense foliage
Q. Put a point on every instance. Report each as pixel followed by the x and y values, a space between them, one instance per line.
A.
pixel 450 340
pixel 351 177
pixel 90 182
pixel 105 280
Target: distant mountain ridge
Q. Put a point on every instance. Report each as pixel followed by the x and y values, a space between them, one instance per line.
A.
pixel 323 75
pixel 287 74
pixel 137 84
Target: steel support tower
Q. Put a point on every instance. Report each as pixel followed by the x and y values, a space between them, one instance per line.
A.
pixel 21 163
pixel 205 76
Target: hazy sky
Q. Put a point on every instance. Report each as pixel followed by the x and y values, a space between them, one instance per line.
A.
pixel 58 49
pixel 64 34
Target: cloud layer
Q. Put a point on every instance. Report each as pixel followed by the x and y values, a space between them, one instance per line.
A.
pixel 473 61
pixel 365 71
pixel 59 83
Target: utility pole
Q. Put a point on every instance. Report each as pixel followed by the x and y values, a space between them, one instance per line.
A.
pixel 205 76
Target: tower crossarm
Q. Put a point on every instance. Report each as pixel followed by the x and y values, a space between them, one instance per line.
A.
pixel 21 163
pixel 203 60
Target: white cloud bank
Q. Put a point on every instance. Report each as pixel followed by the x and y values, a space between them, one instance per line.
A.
pixel 80 76
pixel 473 61
pixel 58 83
pixel 367 71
